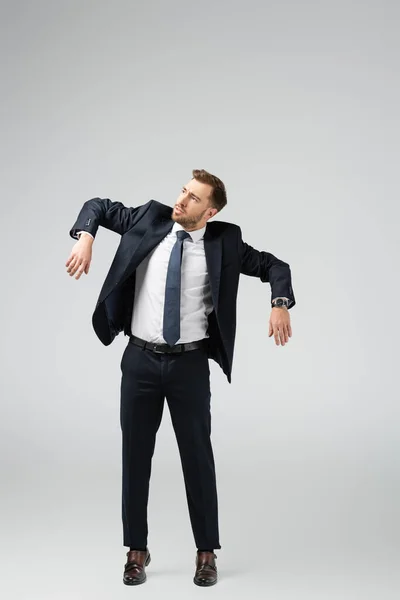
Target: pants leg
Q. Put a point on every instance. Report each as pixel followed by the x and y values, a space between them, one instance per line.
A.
pixel 187 388
pixel 142 402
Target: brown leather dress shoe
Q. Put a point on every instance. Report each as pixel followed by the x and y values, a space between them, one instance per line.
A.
pixel 206 569
pixel 134 572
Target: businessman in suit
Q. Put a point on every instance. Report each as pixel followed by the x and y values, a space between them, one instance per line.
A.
pixel 172 289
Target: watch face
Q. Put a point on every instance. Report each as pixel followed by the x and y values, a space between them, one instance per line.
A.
pixel 280 302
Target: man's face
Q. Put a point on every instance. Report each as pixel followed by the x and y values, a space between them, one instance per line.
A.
pixel 192 208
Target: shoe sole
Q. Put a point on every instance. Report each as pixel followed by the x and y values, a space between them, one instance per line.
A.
pixel 204 584
pixel 138 582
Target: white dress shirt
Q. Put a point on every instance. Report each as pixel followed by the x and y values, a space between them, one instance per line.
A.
pixel 151 277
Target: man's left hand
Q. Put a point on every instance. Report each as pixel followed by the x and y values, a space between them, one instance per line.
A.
pixel 279 325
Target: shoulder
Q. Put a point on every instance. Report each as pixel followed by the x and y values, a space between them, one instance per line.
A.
pixel 160 207
pixel 223 228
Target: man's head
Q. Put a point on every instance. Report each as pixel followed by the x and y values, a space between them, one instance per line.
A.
pixel 199 200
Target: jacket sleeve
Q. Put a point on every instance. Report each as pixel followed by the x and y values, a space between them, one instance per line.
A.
pixel 268 268
pixel 111 215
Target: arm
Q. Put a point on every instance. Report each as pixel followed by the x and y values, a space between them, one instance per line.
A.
pixel 268 268
pixel 111 215
pixel 95 212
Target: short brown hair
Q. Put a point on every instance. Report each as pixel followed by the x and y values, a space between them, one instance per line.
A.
pixel 218 197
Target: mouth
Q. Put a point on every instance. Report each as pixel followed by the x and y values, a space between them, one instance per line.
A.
pixel 178 210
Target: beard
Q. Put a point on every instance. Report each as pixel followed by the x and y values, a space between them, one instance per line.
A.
pixel 188 222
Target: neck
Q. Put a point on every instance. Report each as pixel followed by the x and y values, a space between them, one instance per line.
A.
pixel 193 228
pixel 199 226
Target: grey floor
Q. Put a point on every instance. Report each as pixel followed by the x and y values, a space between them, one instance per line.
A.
pixel 289 533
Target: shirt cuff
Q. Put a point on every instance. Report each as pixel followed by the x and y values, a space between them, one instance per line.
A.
pixel 79 232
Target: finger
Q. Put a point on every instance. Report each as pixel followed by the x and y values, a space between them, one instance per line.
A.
pixel 73 270
pixel 79 271
pixel 87 269
pixel 77 263
pixel 290 330
pixel 276 336
pixel 72 264
pixel 69 260
pixel 270 330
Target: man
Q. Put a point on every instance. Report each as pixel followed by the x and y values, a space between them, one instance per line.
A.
pixel 172 288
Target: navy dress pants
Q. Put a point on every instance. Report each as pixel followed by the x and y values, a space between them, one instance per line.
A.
pixel 184 380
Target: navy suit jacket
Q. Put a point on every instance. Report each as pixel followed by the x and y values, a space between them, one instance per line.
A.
pixel 227 256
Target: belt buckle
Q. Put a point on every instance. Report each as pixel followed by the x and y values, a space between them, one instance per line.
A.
pixel 155 349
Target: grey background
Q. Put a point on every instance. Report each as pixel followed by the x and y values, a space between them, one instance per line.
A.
pixel 294 105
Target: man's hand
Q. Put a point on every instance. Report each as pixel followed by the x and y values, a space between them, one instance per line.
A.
pixel 80 257
pixel 279 325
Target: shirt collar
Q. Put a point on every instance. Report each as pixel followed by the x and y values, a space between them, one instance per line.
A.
pixel 196 235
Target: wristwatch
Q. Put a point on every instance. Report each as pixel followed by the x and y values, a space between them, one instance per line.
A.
pixel 280 302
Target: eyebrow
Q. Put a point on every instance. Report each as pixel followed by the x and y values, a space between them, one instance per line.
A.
pixel 185 188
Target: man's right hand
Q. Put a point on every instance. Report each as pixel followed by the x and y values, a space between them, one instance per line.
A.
pixel 81 256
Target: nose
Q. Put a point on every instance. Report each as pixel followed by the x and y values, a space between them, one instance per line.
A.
pixel 184 198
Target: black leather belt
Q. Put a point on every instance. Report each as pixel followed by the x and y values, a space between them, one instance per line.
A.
pixel 165 348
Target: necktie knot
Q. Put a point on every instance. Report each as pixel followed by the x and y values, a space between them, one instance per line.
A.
pixel 182 235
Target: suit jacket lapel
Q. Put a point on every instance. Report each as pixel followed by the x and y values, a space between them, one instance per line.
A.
pixel 213 252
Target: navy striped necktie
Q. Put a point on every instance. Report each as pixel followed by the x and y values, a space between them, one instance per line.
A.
pixel 172 303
